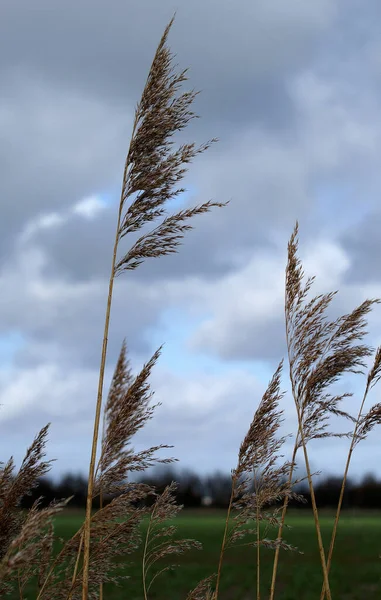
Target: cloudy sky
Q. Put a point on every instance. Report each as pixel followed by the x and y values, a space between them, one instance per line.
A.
pixel 293 92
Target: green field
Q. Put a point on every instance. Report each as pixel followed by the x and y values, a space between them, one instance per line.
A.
pixel 355 574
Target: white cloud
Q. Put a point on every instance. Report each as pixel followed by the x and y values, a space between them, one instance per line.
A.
pixel 89 207
pixel 243 304
pixel 46 390
pixel 338 124
pixel 45 221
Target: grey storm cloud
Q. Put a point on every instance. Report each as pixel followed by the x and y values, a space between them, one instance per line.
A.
pixel 291 91
pixel 72 75
pixel 67 114
pixel 72 78
pixel 363 245
pixel 53 314
pixel 105 52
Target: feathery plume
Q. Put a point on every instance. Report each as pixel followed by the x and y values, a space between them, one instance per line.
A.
pixel 151 172
pixel 14 488
pixel 165 508
pixel 126 412
pixel 319 352
pixel 29 553
pixel 258 455
pixel 363 425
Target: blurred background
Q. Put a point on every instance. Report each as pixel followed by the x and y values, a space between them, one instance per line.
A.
pixel 293 93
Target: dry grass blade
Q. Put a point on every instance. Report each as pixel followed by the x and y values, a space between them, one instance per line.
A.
pixel 203 590
pixel 319 352
pixel 364 424
pixel 258 455
pixel 164 239
pixel 61 570
pixel 165 508
pixel 14 488
pixel 126 412
pixel 46 551
pixel 121 380
pixel 367 422
pixel 151 171
pixel 374 374
pixel 115 532
pixel 30 551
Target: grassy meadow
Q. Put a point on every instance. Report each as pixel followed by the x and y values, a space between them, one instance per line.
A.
pixel 355 573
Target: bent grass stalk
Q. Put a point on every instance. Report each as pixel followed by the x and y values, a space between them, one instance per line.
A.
pixel 319 352
pixel 257 455
pixel 87 524
pixel 373 377
pixel 281 526
pixel 309 476
pixel 87 527
pixel 285 503
pixel 342 489
pixel 316 518
pixel 150 171
pixel 56 561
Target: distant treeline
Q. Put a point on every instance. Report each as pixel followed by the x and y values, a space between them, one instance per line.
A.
pixel 212 490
